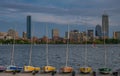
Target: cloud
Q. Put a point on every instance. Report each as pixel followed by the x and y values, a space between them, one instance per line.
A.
pixel 40 17
pixel 86 8
pixel 63 11
pixel 79 20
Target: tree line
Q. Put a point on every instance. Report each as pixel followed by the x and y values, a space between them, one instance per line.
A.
pixel 21 41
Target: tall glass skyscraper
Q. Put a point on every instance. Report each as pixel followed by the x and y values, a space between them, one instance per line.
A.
pixel 28 27
pixel 105 25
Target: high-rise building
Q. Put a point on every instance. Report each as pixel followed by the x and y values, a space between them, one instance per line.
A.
pixel 105 25
pixel 28 27
pixel 55 34
pixel 98 31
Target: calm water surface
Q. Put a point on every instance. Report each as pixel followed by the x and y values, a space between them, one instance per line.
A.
pixel 95 56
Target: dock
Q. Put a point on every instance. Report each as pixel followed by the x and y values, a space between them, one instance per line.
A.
pixel 49 74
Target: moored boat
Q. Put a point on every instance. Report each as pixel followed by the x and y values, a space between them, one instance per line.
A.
pixel 12 68
pixel 66 69
pixel 104 70
pixel 47 69
pixel 85 70
pixel 29 69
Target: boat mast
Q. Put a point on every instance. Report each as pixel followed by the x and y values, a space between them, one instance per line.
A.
pixel 86 48
pixel 105 49
pixel 13 47
pixel 47 62
pixel 30 56
pixel 67 50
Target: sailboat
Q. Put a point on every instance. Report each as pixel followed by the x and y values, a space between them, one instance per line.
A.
pixel 104 70
pixel 29 68
pixel 47 68
pixel 85 69
pixel 66 68
pixel 12 67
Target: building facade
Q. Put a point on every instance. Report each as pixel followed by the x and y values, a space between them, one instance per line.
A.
pixel 116 35
pixel 90 35
pixel 12 34
pixel 74 36
pixel 55 34
pixel 24 35
pixel 3 35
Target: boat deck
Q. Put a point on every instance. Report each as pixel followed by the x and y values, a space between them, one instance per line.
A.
pixel 49 74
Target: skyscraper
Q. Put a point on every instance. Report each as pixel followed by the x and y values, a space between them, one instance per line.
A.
pixel 105 25
pixel 29 27
pixel 98 31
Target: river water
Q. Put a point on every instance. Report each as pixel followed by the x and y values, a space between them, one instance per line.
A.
pixel 57 55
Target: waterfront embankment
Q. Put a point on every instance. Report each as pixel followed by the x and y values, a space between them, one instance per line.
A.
pixel 49 74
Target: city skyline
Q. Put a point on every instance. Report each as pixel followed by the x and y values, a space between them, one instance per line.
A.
pixel 74 35
pixel 57 14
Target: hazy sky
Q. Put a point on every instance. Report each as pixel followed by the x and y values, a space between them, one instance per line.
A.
pixel 57 14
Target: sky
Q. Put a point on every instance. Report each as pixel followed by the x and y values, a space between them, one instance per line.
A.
pixel 79 14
